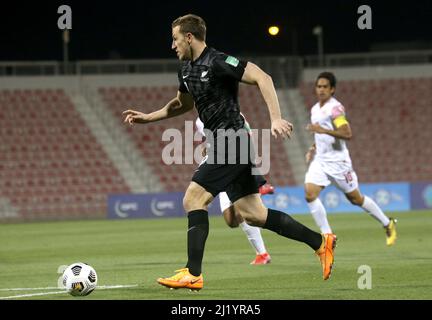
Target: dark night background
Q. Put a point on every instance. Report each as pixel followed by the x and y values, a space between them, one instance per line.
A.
pixel 138 29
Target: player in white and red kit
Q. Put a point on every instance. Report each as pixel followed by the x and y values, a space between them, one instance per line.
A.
pixel 330 162
pixel 234 219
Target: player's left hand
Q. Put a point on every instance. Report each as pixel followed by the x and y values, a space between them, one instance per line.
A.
pixel 281 127
pixel 315 128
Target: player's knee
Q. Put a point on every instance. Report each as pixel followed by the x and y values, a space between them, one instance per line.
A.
pixel 230 218
pixel 196 198
pixel 191 203
pixel 254 221
pixel 187 203
pixel 310 196
pixel 357 201
pixel 254 218
pixel 232 223
pixel 252 210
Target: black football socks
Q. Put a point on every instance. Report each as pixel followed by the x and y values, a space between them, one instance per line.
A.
pixel 198 229
pixel 286 226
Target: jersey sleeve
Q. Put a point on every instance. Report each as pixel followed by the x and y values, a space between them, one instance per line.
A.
pixel 227 66
pixel 182 87
pixel 338 116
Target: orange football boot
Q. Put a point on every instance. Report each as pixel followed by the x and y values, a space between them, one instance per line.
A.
pixel 183 279
pixel 326 254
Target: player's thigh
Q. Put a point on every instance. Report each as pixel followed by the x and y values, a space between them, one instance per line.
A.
pixel 347 182
pixel 252 209
pixel 196 198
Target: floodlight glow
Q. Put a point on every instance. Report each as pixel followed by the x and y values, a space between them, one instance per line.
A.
pixel 273 30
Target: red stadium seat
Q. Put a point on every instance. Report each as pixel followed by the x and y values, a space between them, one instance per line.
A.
pixel 49 152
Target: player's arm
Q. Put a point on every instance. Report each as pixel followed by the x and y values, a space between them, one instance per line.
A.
pixel 342 129
pixel 255 76
pixel 310 153
pixel 175 107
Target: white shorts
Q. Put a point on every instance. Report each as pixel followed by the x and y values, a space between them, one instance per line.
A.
pixel 324 173
pixel 224 201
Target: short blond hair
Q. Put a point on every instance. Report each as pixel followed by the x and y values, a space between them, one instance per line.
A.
pixel 193 24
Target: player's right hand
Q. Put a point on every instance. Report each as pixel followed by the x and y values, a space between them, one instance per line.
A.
pixel 281 127
pixel 203 149
pixel 133 116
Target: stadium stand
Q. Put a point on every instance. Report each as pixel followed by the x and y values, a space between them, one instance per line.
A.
pixel 51 166
pixel 148 138
pixel 390 119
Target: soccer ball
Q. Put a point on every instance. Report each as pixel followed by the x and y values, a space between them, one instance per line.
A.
pixel 80 279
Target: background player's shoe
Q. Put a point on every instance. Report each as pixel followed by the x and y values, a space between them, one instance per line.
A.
pixel 263 258
pixel 183 279
pixel 391 232
pixel 266 189
pixel 326 254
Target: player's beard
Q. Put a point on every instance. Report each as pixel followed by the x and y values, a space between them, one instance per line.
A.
pixel 187 55
pixel 190 51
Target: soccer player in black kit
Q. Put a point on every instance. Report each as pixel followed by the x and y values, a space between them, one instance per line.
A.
pixel 209 81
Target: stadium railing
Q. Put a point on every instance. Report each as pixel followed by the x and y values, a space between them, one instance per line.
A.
pixel 370 59
pixel 275 65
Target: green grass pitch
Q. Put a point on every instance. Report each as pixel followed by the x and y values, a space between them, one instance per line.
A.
pixel 136 252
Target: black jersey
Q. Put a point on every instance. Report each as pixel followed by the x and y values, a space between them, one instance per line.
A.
pixel 213 81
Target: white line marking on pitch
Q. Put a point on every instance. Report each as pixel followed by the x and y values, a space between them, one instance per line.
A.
pixel 32 295
pixel 28 289
pixel 54 292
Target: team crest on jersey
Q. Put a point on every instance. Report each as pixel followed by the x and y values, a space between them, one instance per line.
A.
pixel 232 61
pixel 203 76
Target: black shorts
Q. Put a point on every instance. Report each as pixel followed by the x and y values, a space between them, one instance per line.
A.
pixel 260 180
pixel 236 179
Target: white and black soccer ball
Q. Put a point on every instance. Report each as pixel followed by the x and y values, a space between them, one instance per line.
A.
pixel 79 279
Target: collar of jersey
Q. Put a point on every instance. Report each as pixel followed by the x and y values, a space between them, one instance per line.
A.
pixel 203 53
